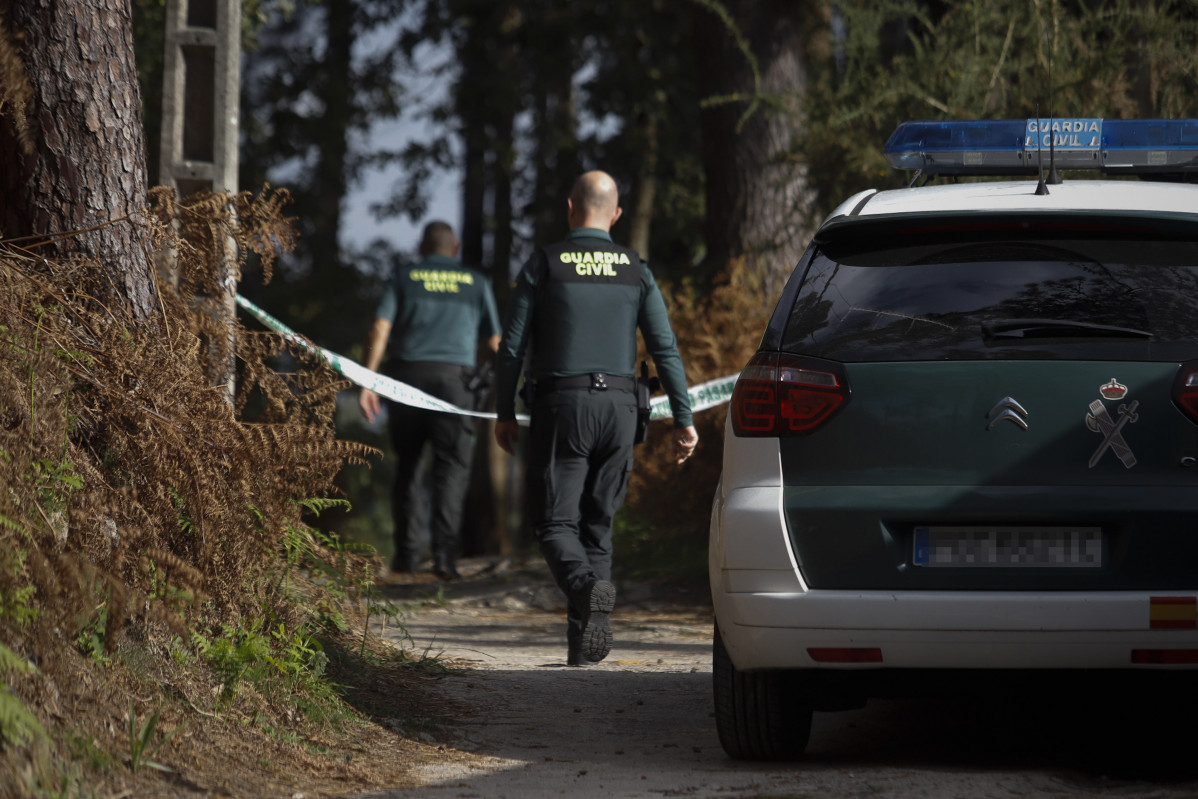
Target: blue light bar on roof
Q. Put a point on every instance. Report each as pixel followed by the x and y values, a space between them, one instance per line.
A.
pixel 1001 147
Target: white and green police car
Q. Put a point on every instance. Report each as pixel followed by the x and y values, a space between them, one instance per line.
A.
pixel 969 439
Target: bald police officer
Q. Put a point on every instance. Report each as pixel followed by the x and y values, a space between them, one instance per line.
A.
pixel 577 306
pixel 438 310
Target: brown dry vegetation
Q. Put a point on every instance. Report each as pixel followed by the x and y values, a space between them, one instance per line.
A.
pixel 664 524
pixel 156 558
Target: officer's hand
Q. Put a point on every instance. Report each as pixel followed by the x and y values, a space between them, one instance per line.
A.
pixel 685 441
pixel 507 436
pixel 368 401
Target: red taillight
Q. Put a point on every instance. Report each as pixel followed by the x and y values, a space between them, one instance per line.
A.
pixel 1185 390
pixel 833 654
pixel 1164 657
pixel 779 394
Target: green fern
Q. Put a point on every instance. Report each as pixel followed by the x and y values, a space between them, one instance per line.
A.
pixel 17 725
pixel 319 505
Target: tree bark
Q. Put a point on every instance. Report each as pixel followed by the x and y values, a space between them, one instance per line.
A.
pixel 474 188
pixel 757 195
pixel 644 191
pixel 86 168
pixel 332 135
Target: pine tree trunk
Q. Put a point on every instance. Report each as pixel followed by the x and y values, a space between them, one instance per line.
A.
pixel 645 192
pixel 333 135
pixel 757 196
pixel 85 166
pixel 474 191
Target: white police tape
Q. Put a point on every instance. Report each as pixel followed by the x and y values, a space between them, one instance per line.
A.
pixel 703 396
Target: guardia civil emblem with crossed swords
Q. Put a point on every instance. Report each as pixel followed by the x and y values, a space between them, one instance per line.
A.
pixel 1099 421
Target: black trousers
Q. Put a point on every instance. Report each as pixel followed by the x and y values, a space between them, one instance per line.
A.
pixel 451 436
pixel 579 460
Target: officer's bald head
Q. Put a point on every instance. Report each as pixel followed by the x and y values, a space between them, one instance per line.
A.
pixel 594 201
pixel 438 239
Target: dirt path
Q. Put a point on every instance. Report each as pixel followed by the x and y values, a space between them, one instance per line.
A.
pixel 640 724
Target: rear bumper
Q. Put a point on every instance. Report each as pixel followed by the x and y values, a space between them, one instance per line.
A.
pixel 946 630
pixel 771 619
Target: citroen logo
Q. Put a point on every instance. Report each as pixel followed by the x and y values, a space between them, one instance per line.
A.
pixel 1007 410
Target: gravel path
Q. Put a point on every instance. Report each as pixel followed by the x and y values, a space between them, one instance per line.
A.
pixel 640 724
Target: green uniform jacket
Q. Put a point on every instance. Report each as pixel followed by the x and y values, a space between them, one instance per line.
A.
pixel 577 306
pixel 439 310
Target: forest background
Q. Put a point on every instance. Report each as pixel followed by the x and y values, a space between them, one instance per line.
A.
pixel 169 585
pixel 731 127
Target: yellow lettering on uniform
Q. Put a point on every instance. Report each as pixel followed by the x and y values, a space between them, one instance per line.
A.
pixel 624 259
pixel 588 258
pixel 442 281
pixel 565 257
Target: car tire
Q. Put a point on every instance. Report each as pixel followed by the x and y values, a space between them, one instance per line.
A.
pixel 760 715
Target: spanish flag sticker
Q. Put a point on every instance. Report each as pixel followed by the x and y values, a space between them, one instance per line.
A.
pixel 1173 613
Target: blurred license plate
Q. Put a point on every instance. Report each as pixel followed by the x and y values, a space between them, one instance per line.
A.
pixel 1011 547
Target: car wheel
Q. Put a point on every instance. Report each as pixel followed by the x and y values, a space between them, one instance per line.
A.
pixel 760 715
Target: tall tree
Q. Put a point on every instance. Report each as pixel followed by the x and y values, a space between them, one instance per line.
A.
pixel 752 78
pixel 72 148
pixel 642 110
pixel 322 77
pixel 893 60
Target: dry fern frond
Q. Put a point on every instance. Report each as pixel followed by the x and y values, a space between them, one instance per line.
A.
pixel 15 90
pixel 116 452
pixel 717 334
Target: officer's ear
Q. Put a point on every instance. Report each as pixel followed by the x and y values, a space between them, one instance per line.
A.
pixel 616 216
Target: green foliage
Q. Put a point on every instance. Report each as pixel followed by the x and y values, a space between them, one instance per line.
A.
pixel 143 740
pixel 183 518
pixel 237 653
pixel 8 523
pixel 17 725
pixel 86 750
pixel 302 657
pixel 16 601
pixel 345 569
pixel 52 482
pixel 91 636
pixel 650 554
pixel 283 664
pixel 888 61
pixel 264 657
pixel 318 505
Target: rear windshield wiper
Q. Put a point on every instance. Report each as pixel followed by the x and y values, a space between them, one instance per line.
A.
pixel 1056 328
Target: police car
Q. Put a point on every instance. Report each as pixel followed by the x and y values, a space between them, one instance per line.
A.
pixel 969 438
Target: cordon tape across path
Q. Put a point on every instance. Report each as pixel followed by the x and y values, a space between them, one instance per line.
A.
pixel 703 396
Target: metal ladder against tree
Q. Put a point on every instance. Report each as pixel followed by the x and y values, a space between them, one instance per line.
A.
pixel 200 107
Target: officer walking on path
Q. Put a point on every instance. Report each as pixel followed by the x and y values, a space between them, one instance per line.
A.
pixel 577 306
pixel 439 310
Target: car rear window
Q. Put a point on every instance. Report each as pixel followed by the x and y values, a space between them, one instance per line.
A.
pixel 998 298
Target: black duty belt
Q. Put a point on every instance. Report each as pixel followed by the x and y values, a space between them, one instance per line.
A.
pixel 596 380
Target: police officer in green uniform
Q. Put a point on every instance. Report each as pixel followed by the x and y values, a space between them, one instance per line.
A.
pixel 576 307
pixel 438 310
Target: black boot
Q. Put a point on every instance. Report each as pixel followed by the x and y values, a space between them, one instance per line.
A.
pixel 596 602
pixel 405 563
pixel 445 569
